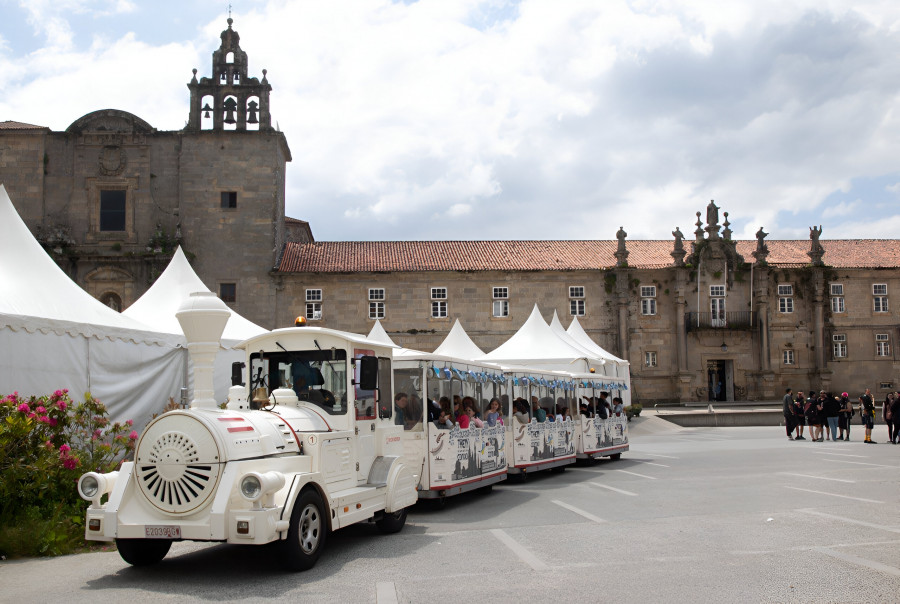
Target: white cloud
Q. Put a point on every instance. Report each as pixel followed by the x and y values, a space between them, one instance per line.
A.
pixel 586 114
pixel 842 209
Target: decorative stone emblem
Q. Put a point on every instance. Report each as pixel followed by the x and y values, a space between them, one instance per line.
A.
pixel 112 160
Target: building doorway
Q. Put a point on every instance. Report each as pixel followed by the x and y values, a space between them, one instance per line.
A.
pixel 720 380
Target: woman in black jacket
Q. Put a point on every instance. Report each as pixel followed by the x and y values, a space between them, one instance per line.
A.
pixel 846 413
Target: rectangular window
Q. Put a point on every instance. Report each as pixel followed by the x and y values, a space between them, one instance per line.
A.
pixel 228 292
pixel 786 305
pixel 837 304
pixel 500 308
pixel 438 309
pixel 881 303
pixel 717 291
pixel 229 200
pixel 650 359
pixel 787 357
pixel 376 310
pixel 879 289
pixel 837 289
pixel 717 315
pixel 314 304
pixel 376 293
pixel 886 385
pixel 438 293
pixel 882 345
pixel 313 311
pixel 576 308
pixel 576 291
pixel 648 300
pixel 112 210
pixel 500 293
pixel 785 290
pixel 839 345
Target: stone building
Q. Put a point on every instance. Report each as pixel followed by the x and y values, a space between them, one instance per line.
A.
pixel 717 320
pixel 111 196
pixel 713 318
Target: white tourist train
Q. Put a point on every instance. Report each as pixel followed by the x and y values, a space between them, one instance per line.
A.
pixel 324 429
pixel 319 453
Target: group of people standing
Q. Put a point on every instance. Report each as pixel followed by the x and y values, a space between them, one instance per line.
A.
pixel 829 416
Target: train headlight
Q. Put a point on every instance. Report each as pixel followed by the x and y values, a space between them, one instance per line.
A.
pixel 259 487
pixel 251 487
pixel 90 486
pixel 93 486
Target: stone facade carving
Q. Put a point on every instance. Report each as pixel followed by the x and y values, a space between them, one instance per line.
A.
pixel 621 252
pixel 816 251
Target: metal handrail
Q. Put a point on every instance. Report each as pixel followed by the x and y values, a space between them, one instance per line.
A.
pixel 741 319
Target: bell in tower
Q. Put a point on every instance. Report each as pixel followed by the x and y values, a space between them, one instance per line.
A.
pixel 230 89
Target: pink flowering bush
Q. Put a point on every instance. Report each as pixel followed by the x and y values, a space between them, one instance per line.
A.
pixel 46 443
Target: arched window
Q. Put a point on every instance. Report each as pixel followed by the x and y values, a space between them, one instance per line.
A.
pixel 207 110
pixel 112 300
pixel 230 109
pixel 253 113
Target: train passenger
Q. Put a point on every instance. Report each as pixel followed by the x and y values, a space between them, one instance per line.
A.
pixel 460 413
pixel 521 407
pixel 603 408
pixel 434 410
pixel 413 414
pixel 401 400
pixel 443 421
pixel 566 414
pixel 583 409
pixel 618 407
pixel 494 414
pixel 473 419
pixel 536 411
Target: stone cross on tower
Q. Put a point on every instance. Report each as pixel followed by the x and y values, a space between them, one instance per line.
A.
pixel 230 96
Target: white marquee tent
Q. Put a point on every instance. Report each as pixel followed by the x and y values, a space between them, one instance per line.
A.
pixel 157 308
pixel 55 335
pixel 459 344
pixel 538 345
pixel 378 334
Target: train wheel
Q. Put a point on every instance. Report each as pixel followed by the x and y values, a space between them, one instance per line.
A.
pixel 306 536
pixel 391 523
pixel 143 552
pixel 616 456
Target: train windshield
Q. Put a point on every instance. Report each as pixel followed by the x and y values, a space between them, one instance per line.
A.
pixel 317 376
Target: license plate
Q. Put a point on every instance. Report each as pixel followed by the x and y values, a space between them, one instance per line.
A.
pixel 162 532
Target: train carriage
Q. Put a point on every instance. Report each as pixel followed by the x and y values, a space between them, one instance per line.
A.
pixel 453 459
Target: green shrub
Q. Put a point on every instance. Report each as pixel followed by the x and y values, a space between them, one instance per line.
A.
pixel 633 410
pixel 46 443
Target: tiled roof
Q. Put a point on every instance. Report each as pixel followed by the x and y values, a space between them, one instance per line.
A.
pixel 289 220
pixel 409 256
pixel 11 125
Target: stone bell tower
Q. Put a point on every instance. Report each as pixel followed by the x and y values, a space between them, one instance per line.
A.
pixel 236 98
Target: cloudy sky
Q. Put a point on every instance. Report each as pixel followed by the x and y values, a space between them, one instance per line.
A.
pixel 531 119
